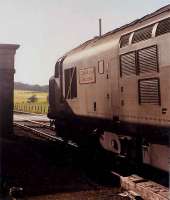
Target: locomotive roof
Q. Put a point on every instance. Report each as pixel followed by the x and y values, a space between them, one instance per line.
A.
pixel 146 17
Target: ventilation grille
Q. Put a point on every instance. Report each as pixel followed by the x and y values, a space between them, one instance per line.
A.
pixel 148 60
pixel 142 34
pixel 124 40
pixel 163 27
pixel 128 64
pixel 149 91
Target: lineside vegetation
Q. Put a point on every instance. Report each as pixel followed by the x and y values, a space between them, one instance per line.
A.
pixel 31 101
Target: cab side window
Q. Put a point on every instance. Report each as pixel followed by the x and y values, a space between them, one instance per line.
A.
pixel 70 83
pixel 57 70
pixel 101 67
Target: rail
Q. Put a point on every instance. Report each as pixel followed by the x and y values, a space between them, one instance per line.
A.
pixel 39 129
pixel 135 187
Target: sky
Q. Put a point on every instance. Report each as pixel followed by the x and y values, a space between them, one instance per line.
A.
pixel 46 29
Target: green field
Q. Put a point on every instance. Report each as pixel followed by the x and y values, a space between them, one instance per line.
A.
pixel 31 101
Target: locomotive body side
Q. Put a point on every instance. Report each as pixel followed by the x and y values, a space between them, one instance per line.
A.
pixel 94 96
pixel 121 90
pixel 147 113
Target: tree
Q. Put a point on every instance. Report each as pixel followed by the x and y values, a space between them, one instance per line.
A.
pixel 32 99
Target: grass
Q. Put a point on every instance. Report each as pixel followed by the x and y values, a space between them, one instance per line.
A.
pixel 21 102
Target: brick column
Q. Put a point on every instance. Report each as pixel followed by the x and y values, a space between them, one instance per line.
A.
pixel 7 53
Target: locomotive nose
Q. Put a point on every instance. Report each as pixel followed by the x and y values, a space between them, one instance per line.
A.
pixel 54 96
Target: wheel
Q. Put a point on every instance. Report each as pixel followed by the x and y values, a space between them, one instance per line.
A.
pixel 61 129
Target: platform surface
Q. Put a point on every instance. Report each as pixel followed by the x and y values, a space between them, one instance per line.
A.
pixel 30 116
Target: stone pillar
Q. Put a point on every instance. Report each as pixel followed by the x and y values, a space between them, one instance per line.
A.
pixel 7 53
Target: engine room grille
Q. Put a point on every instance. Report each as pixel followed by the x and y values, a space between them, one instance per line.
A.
pixel 124 40
pixel 142 34
pixel 148 60
pixel 163 27
pixel 128 64
pixel 149 91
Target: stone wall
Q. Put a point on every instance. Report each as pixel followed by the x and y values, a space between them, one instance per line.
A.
pixel 7 54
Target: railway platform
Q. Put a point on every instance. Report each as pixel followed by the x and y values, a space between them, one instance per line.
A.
pixel 46 170
pixel 53 169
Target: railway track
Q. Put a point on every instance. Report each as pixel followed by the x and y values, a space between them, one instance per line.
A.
pixel 135 187
pixel 42 130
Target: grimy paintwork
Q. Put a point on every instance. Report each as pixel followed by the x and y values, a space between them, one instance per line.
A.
pixel 104 89
pixel 107 49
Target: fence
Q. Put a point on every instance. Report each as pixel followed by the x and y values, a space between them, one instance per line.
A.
pixel 39 108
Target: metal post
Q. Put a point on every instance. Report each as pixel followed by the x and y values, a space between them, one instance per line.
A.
pixel 7 54
pixel 100 27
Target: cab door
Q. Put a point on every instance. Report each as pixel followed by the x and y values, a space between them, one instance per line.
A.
pixel 103 89
pixel 114 82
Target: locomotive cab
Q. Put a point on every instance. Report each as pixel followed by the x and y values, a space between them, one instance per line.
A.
pixel 54 92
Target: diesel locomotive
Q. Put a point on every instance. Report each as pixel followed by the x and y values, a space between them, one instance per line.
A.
pixel 117 86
